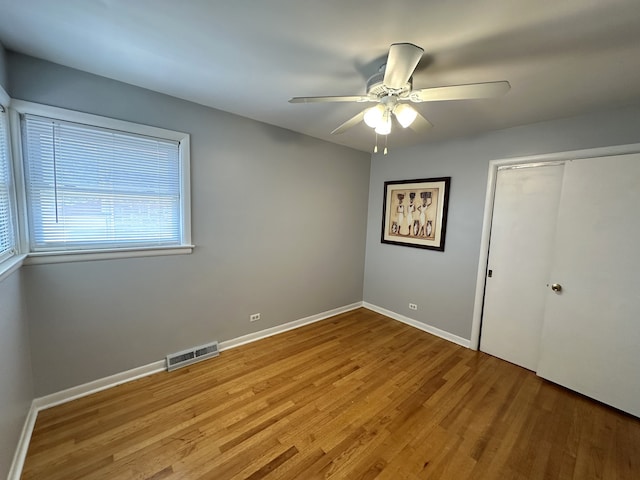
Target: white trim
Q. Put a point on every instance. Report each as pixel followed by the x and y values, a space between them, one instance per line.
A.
pixel 64 396
pixel 488 212
pixel 5 99
pixel 19 107
pixel 15 470
pixel 48 111
pixel 100 384
pixel 95 386
pixel 419 325
pixel 478 302
pixel 10 265
pixel 19 182
pixel 185 188
pixel 9 260
pixel 37 258
pixel 104 383
pixel 253 337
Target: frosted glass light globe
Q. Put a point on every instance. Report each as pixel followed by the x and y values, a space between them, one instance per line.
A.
pixel 373 116
pixel 384 127
pixel 405 114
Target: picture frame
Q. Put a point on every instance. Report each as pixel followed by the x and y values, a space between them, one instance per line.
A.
pixel 414 212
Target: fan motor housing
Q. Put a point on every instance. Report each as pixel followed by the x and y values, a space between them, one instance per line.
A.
pixel 377 88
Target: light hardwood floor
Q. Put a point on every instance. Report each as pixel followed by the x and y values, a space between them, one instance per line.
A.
pixel 357 396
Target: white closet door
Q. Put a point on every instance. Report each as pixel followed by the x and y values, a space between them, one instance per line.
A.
pixel 591 333
pixel 522 239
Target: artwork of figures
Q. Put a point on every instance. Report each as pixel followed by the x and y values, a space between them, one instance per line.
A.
pixel 415 212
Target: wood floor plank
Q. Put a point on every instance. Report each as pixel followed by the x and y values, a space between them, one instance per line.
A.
pixel 356 396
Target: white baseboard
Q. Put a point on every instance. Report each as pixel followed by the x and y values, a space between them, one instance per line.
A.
pixel 89 388
pixel 65 396
pixel 419 325
pixel 252 337
pixel 23 444
pixel 95 386
pixel 98 385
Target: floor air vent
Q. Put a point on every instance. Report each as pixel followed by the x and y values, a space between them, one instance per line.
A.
pixel 192 355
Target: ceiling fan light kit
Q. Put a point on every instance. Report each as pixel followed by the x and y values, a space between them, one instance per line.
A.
pixel 392 87
pixel 405 114
pixel 373 115
pixel 384 126
pixel 379 117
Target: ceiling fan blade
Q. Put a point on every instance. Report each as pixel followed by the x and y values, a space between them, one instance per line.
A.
pixel 420 124
pixel 352 122
pixel 350 98
pixel 402 61
pixel 460 92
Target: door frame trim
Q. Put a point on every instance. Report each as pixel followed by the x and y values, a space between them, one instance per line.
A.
pixel 488 212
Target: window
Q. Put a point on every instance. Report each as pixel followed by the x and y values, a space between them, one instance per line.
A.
pixel 7 228
pixel 95 185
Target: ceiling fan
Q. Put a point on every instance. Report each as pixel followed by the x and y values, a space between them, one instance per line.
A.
pixel 392 90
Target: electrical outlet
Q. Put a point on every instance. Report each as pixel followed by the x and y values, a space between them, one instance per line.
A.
pixel 254 318
pixel 413 306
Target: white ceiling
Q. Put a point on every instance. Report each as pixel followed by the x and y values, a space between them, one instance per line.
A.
pixel 562 57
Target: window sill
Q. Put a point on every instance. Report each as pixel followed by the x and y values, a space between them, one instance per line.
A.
pixel 10 265
pixel 39 258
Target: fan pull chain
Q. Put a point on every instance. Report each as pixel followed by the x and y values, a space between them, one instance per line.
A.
pixel 375 149
pixel 385 144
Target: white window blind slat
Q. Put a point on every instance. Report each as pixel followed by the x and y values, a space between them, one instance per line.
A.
pixel 90 187
pixel 7 236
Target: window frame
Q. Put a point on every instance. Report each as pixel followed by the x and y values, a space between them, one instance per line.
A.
pixel 19 108
pixel 10 263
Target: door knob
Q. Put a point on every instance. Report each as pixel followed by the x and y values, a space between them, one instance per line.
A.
pixel 556 287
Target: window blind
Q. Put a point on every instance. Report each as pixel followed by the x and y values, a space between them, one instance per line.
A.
pixel 7 238
pixel 94 188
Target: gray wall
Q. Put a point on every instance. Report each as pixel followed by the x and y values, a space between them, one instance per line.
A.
pixel 16 388
pixel 443 283
pixel 279 220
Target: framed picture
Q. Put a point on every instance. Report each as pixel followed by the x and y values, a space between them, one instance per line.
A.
pixel 414 213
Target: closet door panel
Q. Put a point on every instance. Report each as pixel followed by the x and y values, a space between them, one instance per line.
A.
pixel 522 238
pixel 590 338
